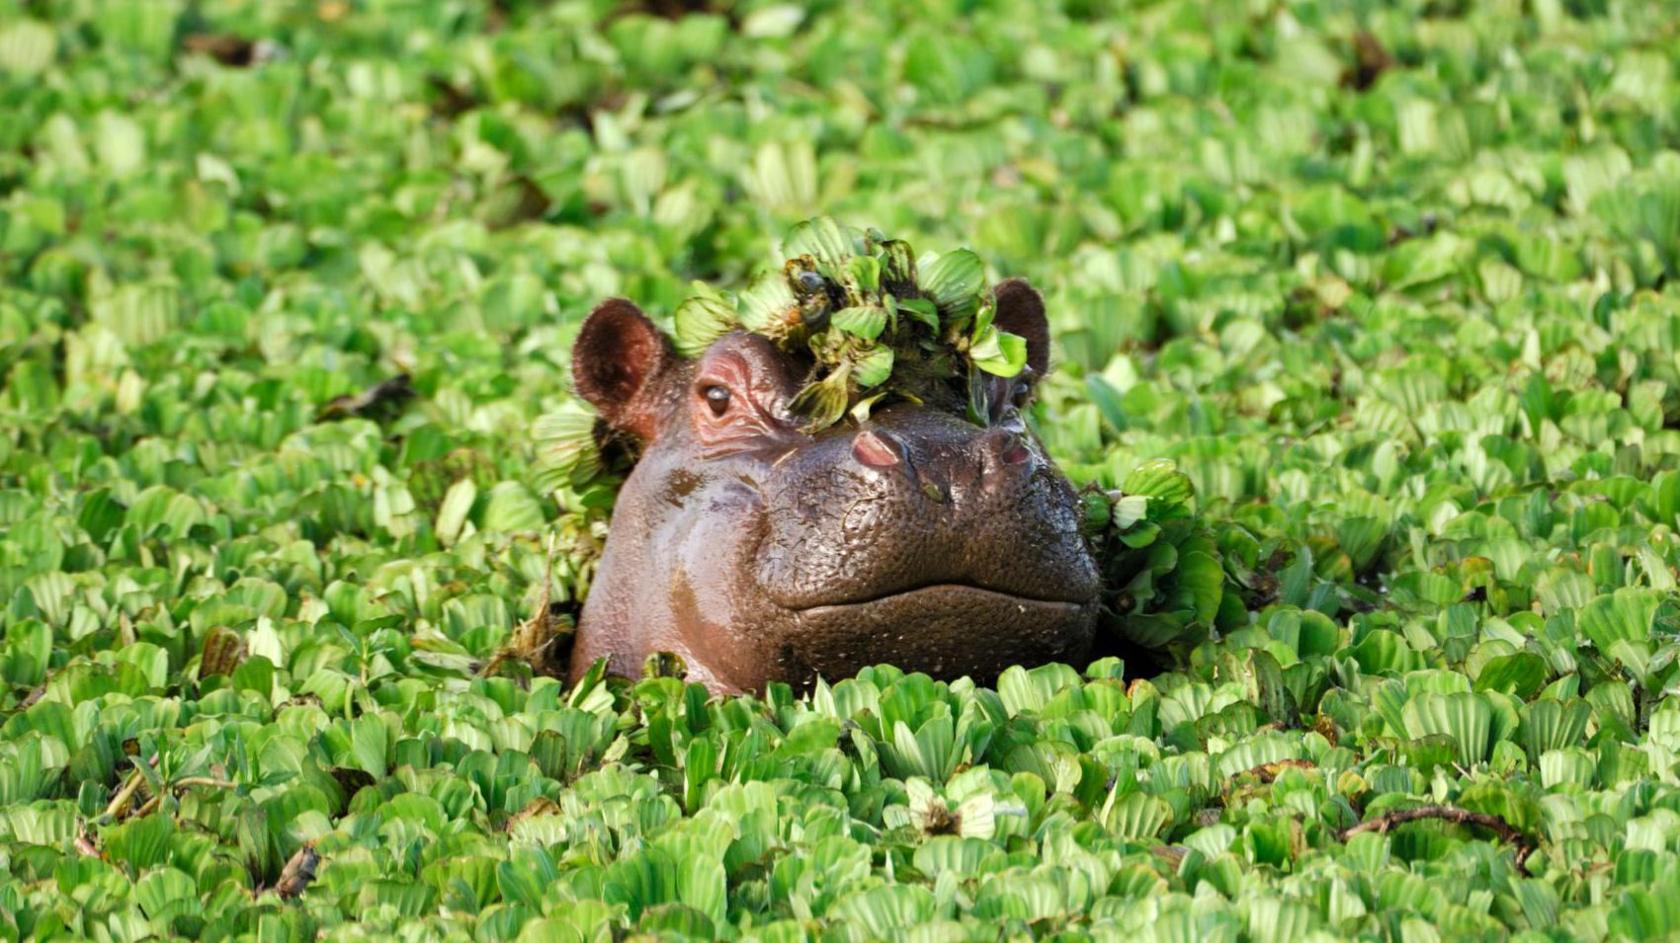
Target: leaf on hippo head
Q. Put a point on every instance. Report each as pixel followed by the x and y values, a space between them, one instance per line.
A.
pixel 837 299
pixel 919 309
pixel 768 305
pixel 873 367
pixel 823 403
pixel 827 241
pixel 898 270
pixel 865 321
pixel 702 319
pixel 999 353
pixel 865 271
pixel 954 281
pixel 860 411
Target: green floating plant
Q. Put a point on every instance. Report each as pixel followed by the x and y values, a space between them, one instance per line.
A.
pixel 876 321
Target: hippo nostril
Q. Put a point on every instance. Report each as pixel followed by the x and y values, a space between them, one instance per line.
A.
pixel 875 450
pixel 1008 446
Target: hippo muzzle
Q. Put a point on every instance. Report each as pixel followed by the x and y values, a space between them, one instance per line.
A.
pixel 927 542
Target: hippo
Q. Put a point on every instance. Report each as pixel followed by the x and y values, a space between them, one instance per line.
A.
pixel 758 552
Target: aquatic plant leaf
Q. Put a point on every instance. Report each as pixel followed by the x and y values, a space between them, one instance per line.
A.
pixel 822 403
pixel 701 319
pixel 1160 480
pixel 953 282
pixel 873 368
pixel 1389 289
pixel 866 322
pixel 921 309
pixel 898 269
pixel 566 450
pixel 999 353
pixel 768 304
pixel 832 244
pixel 866 273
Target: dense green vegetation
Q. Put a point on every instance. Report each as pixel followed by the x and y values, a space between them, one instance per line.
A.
pixel 1385 282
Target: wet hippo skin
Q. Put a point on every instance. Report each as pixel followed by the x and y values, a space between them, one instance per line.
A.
pixel 759 553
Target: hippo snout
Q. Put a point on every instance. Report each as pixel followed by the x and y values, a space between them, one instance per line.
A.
pixel 917 499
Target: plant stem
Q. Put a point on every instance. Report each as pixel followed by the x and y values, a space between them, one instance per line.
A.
pixel 1524 845
pixel 126 793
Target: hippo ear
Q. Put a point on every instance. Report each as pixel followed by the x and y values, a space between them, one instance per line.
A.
pixel 1020 311
pixel 618 356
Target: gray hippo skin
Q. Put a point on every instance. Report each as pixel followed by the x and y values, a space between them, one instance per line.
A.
pixel 760 553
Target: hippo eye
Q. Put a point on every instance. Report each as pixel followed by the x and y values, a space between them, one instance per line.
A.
pixel 1019 395
pixel 717 398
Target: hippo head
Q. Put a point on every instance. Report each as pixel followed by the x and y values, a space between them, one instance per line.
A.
pixel 760 553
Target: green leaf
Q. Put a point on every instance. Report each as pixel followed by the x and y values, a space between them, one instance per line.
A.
pixel 1135 816
pixel 1620 624
pixel 138 313
pixel 953 282
pixel 369 743
pixel 566 451
pixel 783 177
pixel 898 273
pixel 1522 674
pixel 1159 480
pixel 701 319
pixel 510 507
pixel 1467 718
pixel 874 367
pixel 866 271
pixel 921 309
pixel 883 911
pixel 767 302
pixel 120 143
pixel 999 353
pixel 865 322
pixel 826 240
pixel 823 403
pixel 27 47
pixel 452 513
